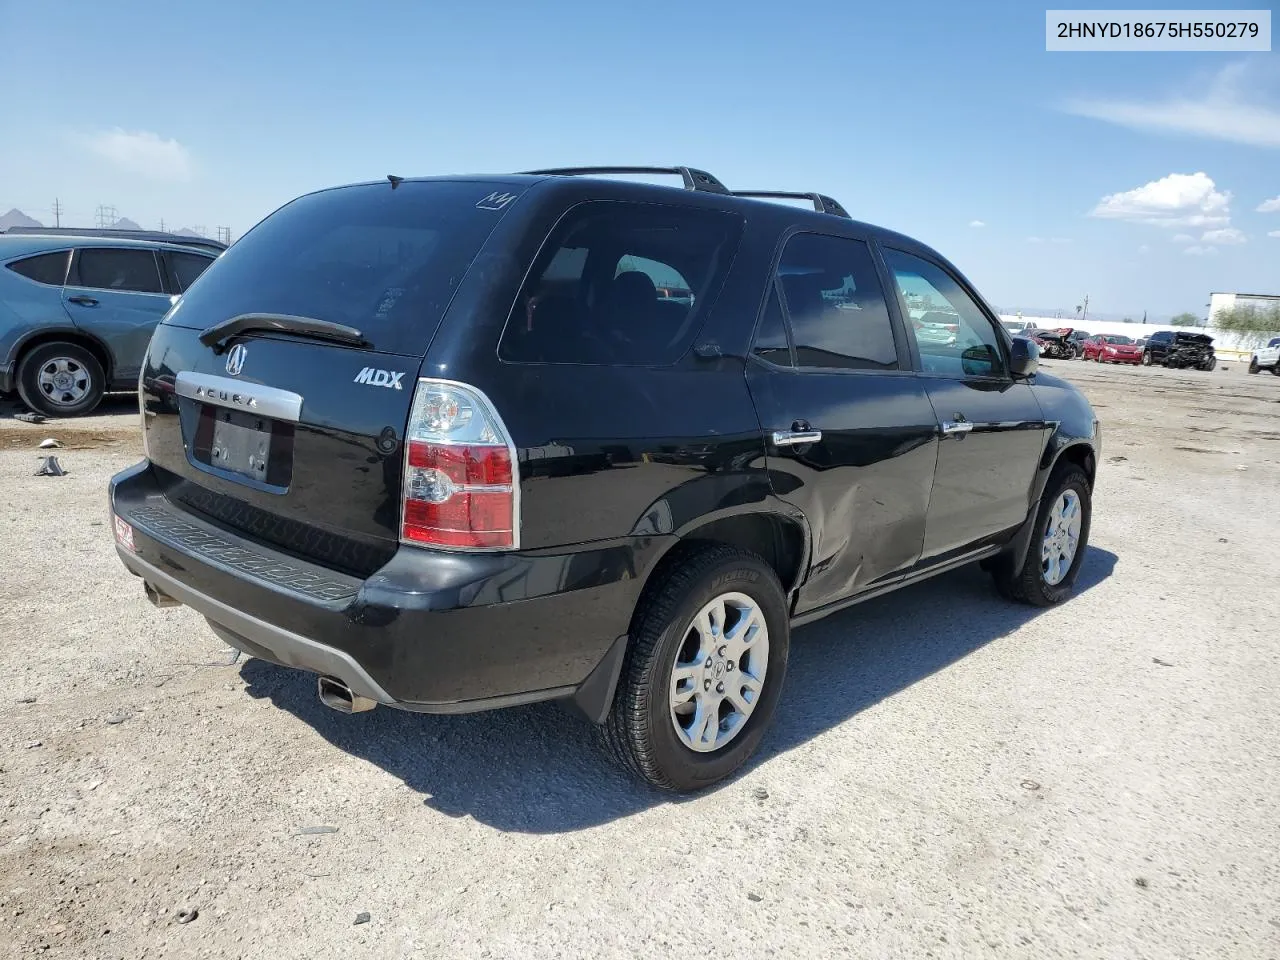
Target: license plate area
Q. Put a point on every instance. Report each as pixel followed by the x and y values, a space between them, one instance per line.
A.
pixel 244 447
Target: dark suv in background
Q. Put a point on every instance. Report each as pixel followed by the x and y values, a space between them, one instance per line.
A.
pixel 1171 348
pixel 463 443
pixel 77 310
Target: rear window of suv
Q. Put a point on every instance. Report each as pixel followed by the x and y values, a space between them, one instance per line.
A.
pixel 386 262
pixel 621 283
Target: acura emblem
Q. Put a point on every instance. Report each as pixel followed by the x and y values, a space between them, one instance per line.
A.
pixel 235 359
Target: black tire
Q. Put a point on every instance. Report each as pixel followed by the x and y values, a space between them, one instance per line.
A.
pixel 1275 368
pixel 1027 584
pixel 1210 365
pixel 1253 365
pixel 87 375
pixel 639 732
pixel 1146 358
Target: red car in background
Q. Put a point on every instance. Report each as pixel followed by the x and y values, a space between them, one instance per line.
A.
pixel 1111 348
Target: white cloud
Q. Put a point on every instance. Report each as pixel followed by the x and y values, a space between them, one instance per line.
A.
pixel 1200 251
pixel 977 223
pixel 1178 200
pixel 141 152
pixel 1274 233
pixel 1035 240
pixel 1270 206
pixel 1219 111
pixel 1049 240
pixel 1182 238
pixel 1144 249
pixel 1228 236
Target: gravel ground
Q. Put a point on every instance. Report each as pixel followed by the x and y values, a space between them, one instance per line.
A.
pixel 973 779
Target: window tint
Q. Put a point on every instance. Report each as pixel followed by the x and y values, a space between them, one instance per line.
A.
pixel 118 269
pixel 621 283
pixel 50 268
pixel 952 333
pixel 834 303
pixel 771 338
pixel 187 267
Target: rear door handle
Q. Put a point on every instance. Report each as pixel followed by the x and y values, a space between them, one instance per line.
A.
pixel 795 438
pixel 956 427
pixel 83 301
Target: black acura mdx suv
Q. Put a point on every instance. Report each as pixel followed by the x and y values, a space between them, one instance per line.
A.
pixel 461 443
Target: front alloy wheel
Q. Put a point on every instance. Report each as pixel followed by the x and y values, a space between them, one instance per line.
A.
pixel 1047 573
pixel 1061 538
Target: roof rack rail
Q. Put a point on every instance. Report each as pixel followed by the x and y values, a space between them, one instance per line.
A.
pixel 694 179
pixel 821 202
pixel 156 236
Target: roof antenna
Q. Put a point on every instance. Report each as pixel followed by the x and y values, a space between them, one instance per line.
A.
pixel 395 181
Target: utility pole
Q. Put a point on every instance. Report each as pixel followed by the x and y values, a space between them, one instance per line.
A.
pixel 1086 309
pixel 224 235
pixel 162 224
pixel 106 216
pixel 57 212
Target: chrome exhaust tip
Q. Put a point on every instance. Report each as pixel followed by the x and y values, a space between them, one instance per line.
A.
pixel 158 597
pixel 336 695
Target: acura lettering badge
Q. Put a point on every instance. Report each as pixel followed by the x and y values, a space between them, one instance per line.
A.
pixel 235 359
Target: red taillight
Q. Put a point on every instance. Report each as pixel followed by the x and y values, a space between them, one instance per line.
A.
pixel 460 481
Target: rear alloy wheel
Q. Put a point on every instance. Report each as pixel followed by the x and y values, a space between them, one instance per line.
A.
pixel 1058 542
pixel 1146 359
pixel 708 654
pixel 60 380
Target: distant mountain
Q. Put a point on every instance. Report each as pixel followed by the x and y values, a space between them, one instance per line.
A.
pixel 124 223
pixel 16 218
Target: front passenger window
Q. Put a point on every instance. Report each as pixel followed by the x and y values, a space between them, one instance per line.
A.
pixel 952 333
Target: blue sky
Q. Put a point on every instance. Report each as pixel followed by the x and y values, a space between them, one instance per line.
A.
pixel 926 118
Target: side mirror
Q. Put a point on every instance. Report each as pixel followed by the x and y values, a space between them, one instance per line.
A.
pixel 979 361
pixel 1024 358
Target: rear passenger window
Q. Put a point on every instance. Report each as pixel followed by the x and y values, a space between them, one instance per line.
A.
pixel 50 268
pixel 833 300
pixel 133 271
pixel 621 283
pixel 187 267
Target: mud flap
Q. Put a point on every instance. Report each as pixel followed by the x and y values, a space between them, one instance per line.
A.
pixel 594 696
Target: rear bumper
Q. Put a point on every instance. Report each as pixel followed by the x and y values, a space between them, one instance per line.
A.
pixel 430 631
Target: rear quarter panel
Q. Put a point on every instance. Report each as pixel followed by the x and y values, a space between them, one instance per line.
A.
pixel 27 308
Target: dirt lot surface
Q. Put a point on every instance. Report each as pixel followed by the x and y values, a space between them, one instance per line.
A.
pixel 948 775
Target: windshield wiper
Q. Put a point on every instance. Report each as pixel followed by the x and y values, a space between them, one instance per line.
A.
pixel 218 335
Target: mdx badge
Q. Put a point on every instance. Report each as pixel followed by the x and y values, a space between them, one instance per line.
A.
pixel 235 359
pixel 379 378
